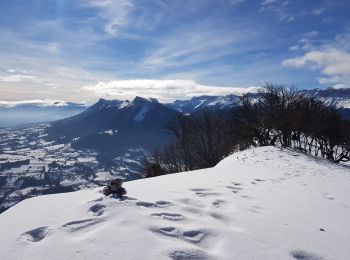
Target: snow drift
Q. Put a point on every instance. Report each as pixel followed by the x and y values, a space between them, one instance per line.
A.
pixel 263 203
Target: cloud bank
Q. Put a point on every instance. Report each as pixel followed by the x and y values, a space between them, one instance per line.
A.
pixel 163 90
pixel 35 102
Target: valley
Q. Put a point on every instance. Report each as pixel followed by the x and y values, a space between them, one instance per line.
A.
pixel 30 165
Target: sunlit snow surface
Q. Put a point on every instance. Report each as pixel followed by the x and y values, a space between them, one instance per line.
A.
pixel 265 203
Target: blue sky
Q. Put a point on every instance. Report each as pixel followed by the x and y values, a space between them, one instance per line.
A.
pixel 81 50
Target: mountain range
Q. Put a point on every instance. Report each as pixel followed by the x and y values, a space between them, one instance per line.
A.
pixel 14 113
pixel 114 126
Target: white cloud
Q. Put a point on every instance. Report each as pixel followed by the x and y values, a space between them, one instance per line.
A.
pixel 279 9
pixel 115 12
pixel 36 102
pixel 267 2
pixel 16 78
pixel 340 86
pixel 318 11
pixel 199 43
pixel 306 42
pixel 17 71
pixel 331 59
pixel 311 34
pixel 163 90
pixel 331 62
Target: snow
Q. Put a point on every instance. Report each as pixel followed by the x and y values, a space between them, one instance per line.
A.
pixel 124 104
pixel 337 102
pixel 263 203
pixel 141 115
pixel 109 132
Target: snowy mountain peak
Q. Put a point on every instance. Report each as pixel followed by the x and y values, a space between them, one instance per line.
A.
pixel 105 104
pixel 143 105
pixel 141 100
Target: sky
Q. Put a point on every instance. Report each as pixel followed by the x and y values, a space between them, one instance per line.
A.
pixel 82 50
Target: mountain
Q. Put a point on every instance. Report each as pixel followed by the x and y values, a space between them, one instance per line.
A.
pixel 204 102
pixel 115 126
pixel 36 111
pixel 338 98
pixel 263 203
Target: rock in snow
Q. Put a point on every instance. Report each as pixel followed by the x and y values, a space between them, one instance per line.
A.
pixel 263 203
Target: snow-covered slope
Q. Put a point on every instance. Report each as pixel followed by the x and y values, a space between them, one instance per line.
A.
pixel 257 204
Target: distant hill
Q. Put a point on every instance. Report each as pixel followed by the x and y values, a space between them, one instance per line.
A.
pixel 36 111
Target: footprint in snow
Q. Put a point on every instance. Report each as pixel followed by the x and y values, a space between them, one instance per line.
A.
pixel 80 224
pixel 204 192
pixel 245 196
pixel 234 189
pixel 160 204
pixel 35 235
pixel 168 231
pixel 260 180
pixel 97 209
pixel 168 216
pixel 193 236
pixel 219 217
pixel 97 200
pixel 200 189
pixel 304 255
pixel 207 194
pixel 189 254
pixel 163 203
pixel 145 204
pixel 218 203
pixel 328 196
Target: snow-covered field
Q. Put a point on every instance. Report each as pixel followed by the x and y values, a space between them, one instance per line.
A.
pixel 265 203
